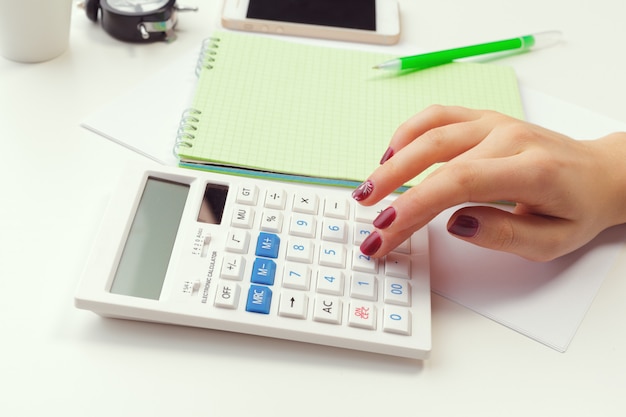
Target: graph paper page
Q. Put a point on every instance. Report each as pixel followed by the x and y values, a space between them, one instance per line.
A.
pixel 281 106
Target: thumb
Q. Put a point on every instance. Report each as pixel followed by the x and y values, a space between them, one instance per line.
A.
pixel 534 237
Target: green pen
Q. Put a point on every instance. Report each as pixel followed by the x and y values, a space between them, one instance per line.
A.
pixel 432 59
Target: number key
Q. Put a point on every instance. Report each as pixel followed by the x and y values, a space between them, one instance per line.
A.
pixel 332 254
pixel 330 281
pixel 364 263
pixel 335 231
pixel 300 250
pixel 364 287
pixel 302 225
pixel 296 276
pixel 397 291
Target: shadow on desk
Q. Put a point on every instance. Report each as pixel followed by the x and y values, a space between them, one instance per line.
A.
pixel 235 346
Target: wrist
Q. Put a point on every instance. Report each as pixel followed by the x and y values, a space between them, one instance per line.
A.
pixel 613 148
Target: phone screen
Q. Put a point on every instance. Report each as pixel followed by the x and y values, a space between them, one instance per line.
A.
pixel 352 14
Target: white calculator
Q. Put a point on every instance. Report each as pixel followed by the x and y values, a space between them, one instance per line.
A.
pixel 267 258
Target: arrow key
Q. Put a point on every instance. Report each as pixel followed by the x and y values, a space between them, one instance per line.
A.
pixel 293 304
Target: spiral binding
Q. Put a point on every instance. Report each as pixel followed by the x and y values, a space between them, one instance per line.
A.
pixel 186 128
pixel 191 116
pixel 207 54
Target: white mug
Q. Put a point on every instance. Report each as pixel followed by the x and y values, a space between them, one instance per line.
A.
pixel 34 30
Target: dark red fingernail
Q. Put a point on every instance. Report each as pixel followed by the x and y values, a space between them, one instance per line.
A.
pixel 385 218
pixel 386 156
pixel 464 226
pixel 371 244
pixel 363 191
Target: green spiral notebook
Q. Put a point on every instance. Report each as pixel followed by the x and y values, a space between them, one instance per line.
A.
pixel 292 111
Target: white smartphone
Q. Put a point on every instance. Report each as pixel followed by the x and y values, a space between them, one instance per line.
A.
pixel 369 21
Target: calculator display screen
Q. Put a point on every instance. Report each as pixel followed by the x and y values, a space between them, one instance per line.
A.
pixel 213 202
pixel 146 255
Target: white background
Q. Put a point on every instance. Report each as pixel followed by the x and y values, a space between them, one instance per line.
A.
pixel 56 179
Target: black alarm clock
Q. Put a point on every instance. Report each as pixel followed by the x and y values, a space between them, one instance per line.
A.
pixel 136 20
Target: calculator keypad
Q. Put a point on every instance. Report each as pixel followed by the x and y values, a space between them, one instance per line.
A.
pixel 303 249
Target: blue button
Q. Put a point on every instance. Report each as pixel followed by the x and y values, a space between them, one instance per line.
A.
pixel 263 271
pixel 267 245
pixel 259 299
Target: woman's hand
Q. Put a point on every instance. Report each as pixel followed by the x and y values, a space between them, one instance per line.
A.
pixel 565 191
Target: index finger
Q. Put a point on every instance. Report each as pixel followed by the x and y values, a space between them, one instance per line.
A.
pixel 438 144
pixel 430 118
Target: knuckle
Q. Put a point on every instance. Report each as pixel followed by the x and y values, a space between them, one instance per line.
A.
pixel 544 169
pixel 504 237
pixel 435 138
pixel 393 168
pixel 436 111
pixel 507 238
pixel 517 130
pixel 465 176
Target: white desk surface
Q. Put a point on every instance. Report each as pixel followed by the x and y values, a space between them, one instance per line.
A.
pixel 56 178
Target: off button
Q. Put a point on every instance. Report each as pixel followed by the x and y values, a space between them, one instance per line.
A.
pixel 227 295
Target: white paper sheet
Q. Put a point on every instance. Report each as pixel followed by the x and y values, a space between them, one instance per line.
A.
pixel 146 119
pixel 544 301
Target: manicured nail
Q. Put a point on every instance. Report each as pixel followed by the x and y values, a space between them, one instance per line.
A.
pixel 386 156
pixel 464 226
pixel 363 191
pixel 385 218
pixel 371 244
